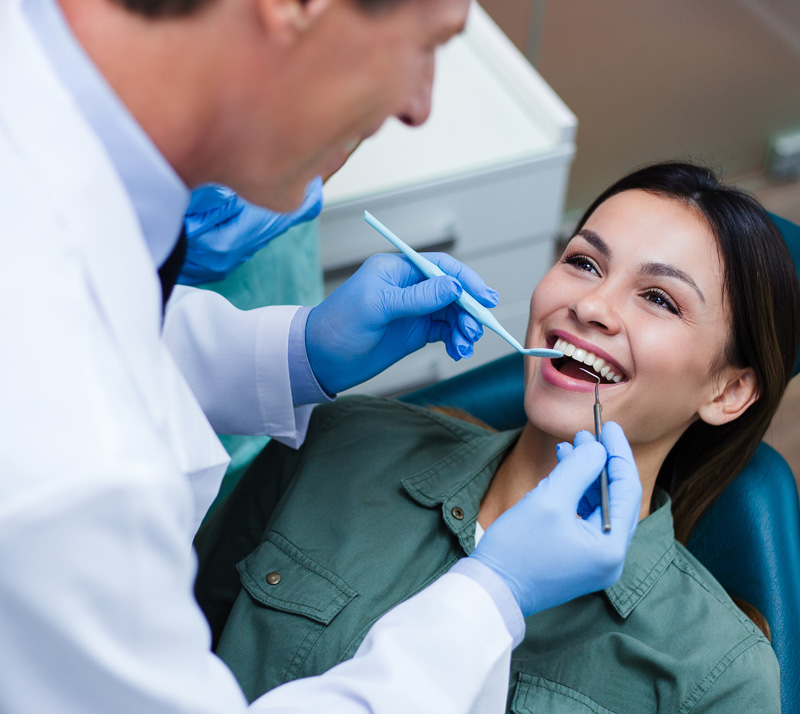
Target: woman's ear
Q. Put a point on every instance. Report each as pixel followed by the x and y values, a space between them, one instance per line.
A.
pixel 287 19
pixel 738 391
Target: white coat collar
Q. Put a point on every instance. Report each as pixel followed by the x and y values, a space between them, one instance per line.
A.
pixel 158 195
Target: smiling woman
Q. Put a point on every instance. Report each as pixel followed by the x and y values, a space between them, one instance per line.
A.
pixel 748 317
pixel 681 295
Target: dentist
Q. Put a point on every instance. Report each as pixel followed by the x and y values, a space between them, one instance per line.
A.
pixel 109 110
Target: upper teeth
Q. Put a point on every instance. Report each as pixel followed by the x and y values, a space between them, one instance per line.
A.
pixel 598 364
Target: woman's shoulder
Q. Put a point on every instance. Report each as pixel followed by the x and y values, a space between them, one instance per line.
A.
pixel 683 588
pixel 668 630
pixel 378 414
pixel 387 438
pixel 711 596
pixel 740 663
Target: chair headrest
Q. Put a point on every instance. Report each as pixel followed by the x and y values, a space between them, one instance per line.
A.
pixel 791 234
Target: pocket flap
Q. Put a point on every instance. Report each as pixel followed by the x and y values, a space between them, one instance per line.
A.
pixel 281 576
pixel 536 695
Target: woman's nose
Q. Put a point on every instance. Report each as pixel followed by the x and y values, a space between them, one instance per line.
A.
pixel 598 308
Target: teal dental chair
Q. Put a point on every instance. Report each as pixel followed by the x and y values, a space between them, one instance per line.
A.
pixel 749 539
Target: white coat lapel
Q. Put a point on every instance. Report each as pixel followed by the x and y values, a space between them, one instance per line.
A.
pixel 77 178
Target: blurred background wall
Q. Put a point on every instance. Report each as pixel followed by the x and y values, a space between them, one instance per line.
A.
pixel 712 80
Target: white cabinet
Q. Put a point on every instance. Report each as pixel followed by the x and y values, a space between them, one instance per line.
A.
pixel 484 179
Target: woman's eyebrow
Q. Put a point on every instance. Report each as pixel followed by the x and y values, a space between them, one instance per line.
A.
pixel 669 271
pixel 652 269
pixel 595 241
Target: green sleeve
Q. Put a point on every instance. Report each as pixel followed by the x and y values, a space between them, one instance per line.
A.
pixel 749 682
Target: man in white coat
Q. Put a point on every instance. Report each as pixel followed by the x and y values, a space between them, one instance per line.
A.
pixel 108 459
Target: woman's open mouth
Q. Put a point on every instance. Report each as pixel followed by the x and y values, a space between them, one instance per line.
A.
pixel 576 360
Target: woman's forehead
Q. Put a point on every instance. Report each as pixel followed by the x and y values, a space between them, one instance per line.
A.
pixel 647 227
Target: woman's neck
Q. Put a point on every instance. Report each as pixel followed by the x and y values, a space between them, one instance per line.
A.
pixel 532 458
pixel 528 462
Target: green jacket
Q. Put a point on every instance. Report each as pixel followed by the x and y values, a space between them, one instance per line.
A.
pixel 381 500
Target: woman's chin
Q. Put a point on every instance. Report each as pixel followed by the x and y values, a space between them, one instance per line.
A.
pixel 561 427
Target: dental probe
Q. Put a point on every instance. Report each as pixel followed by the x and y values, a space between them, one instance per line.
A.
pixel 469 303
pixel 598 427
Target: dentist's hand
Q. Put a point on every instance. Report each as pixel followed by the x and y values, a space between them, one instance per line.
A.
pixel 543 551
pixel 386 311
pixel 591 499
pixel 223 231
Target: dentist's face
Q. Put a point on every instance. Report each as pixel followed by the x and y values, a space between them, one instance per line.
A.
pixel 352 70
pixel 639 287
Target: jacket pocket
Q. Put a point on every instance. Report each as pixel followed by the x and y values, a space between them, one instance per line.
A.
pixel 279 575
pixel 285 605
pixel 537 695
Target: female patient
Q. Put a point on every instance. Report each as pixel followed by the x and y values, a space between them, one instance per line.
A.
pixel 681 295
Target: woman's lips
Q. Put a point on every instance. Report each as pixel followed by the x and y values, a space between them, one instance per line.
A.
pixel 581 362
pixel 562 381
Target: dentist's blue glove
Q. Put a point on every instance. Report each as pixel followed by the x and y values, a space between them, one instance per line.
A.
pixel 591 499
pixel 223 231
pixel 543 551
pixel 386 311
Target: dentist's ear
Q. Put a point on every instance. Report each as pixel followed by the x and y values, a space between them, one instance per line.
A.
pixel 286 19
pixel 738 391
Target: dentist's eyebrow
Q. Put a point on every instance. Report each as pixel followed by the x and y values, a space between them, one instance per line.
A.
pixel 595 241
pixel 669 271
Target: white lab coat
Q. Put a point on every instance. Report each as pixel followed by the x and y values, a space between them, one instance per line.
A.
pixel 107 460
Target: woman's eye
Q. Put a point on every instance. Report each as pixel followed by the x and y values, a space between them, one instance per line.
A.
pixel 661 299
pixel 582 262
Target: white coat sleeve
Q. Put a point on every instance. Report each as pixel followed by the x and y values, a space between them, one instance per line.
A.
pixel 98 616
pixel 236 363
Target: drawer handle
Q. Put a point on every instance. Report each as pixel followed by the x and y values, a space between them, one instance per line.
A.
pixel 443 245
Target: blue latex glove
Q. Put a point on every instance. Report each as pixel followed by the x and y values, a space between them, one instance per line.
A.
pixel 223 230
pixel 542 551
pixel 386 311
pixel 591 499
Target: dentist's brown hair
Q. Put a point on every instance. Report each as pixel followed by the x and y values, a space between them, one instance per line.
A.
pixel 763 300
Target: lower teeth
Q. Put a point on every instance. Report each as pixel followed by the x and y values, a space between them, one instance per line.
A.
pixel 560 363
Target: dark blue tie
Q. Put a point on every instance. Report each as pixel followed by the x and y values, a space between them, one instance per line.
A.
pixel 171 268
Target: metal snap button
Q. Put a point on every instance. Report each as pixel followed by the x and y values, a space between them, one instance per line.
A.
pixel 458 514
pixel 273 578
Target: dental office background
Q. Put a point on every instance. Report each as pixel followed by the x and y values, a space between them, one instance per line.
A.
pixel 538 107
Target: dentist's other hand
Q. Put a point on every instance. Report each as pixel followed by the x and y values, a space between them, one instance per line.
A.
pixel 386 311
pixel 223 231
pixel 543 551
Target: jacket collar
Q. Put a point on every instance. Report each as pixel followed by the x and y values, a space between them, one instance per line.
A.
pixel 650 553
pixel 459 481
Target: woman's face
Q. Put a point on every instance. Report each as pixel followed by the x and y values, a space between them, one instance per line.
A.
pixel 640 287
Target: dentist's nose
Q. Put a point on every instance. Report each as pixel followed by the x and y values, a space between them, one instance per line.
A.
pixel 598 308
pixel 418 108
